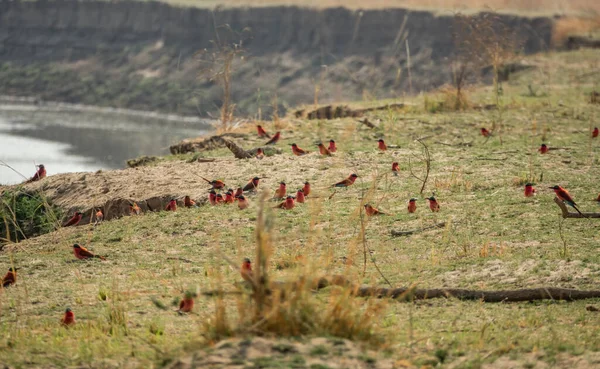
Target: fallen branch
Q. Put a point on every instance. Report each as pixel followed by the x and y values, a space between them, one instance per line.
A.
pixel 567 214
pixel 366 122
pixel 408 233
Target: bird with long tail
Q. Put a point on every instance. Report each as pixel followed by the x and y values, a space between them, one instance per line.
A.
pixel 186 305
pixel 395 168
pixel 280 192
pixel 298 151
pixel 242 202
pixel 412 205
pixel 188 202
pixel 39 174
pixel 75 219
pixel 275 139
pixel 529 190
pixel 10 277
pixel 563 195
pixel 82 253
pixel 433 204
pixel 485 133
pixel 323 150
pixel 346 182
pixel 215 183
pixel 332 147
pixel 172 205
pixel 543 148
pixel 252 185
pixel 261 132
pixel 300 196
pixel 306 188
pixel 288 204
pixel 68 318
pixel 371 211
pixel 246 270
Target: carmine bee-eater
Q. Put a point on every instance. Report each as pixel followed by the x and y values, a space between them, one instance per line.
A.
pixel 370 210
pixel 381 145
pixel 323 150
pixel 212 197
pixel 433 204
pixel 529 190
pixel 219 199
pixel 287 204
pixel 10 277
pixel 134 209
pixel 346 182
pixel 69 318
pixel 300 196
pixel 395 168
pixel 598 199
pixel 82 253
pixel 412 205
pixel 280 192
pixel 252 185
pixel 39 174
pixel 242 202
pixel 543 149
pixel 332 146
pixel 246 270
pixel 565 197
pixel 298 151
pixel 238 192
pixel 188 202
pixel 229 197
pixel 216 184
pixel 595 132
pixel 99 217
pixel 306 188
pixel 261 132
pixel 171 206
pixel 75 219
pixel 260 153
pixel 485 133
pixel 275 139
pixel 187 304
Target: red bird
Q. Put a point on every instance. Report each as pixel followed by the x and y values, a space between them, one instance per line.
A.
pixel 395 168
pixel 287 204
pixel 332 147
pixel 346 182
pixel 10 277
pixel 74 220
pixel 219 199
pixel 188 202
pixel 69 318
pixel 323 150
pixel 485 133
pixel 565 197
pixel 212 197
pixel 246 270
pixel 242 202
pixel 252 185
pixel 259 153
pixel 171 206
pixel 280 192
pixel 216 184
pixel 187 304
pixel 412 205
pixel 306 188
pixel 134 209
pixel 238 192
pixel 82 253
pixel 529 190
pixel 275 138
pixel 598 198
pixel 99 216
pixel 229 197
pixel 543 149
pixel 300 196
pixel 381 145
pixel 298 151
pixel 39 174
pixel 261 132
pixel 433 204
pixel 370 210
pixel 595 132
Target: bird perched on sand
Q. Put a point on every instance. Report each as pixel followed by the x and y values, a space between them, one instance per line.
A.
pixel 323 150
pixel 300 196
pixel 188 202
pixel 212 197
pixel 99 217
pixel 280 192
pixel 229 199
pixel 332 147
pixel 563 195
pixel 485 133
pixel 346 182
pixel 275 139
pixel 306 188
pixel 68 318
pixel 219 199
pixel 288 204
pixel 75 219
pixel 82 253
pixel 543 148
pixel 39 174
pixel 433 204
pixel 371 211
pixel 595 132
pixel 242 202
pixel 395 168
pixel 252 185
pixel 261 132
pixel 246 270
pixel 171 206
pixel 10 277
pixel 412 205
pixel 187 303
pixel 298 151
pixel 215 183
pixel 529 190
pixel 238 192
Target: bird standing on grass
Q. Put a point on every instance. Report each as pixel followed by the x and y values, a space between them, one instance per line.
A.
pixel 280 192
pixel 381 145
pixel 261 132
pixel 82 253
pixel 10 277
pixel 242 202
pixel 306 188
pixel 323 150
pixel 188 202
pixel 212 197
pixel 134 209
pixel 300 196
pixel 99 216
pixel 39 174
pixel 275 139
pixel 288 204
pixel 187 304
pixel 252 185
pixel 332 146
pixel 75 219
pixel 229 199
pixel 433 204
pixel 246 270
pixel 485 133
pixel 298 151
pixel 395 168
pixel 563 195
pixel 529 190
pixel 171 206
pixel 68 319
pixel 595 132
pixel 346 182
pixel 260 153
pixel 371 211
pixel 543 148
pixel 412 205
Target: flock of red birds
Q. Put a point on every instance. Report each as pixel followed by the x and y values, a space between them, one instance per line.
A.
pixel 288 203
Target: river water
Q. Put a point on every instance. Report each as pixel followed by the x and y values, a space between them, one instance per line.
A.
pixel 67 138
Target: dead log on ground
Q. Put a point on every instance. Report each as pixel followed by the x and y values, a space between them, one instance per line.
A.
pixel 408 233
pixel 567 214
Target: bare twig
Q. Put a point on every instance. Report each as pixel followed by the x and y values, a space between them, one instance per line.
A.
pixel 427 158
pixel 413 231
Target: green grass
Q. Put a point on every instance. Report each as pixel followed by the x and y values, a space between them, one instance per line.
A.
pixel 495 239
